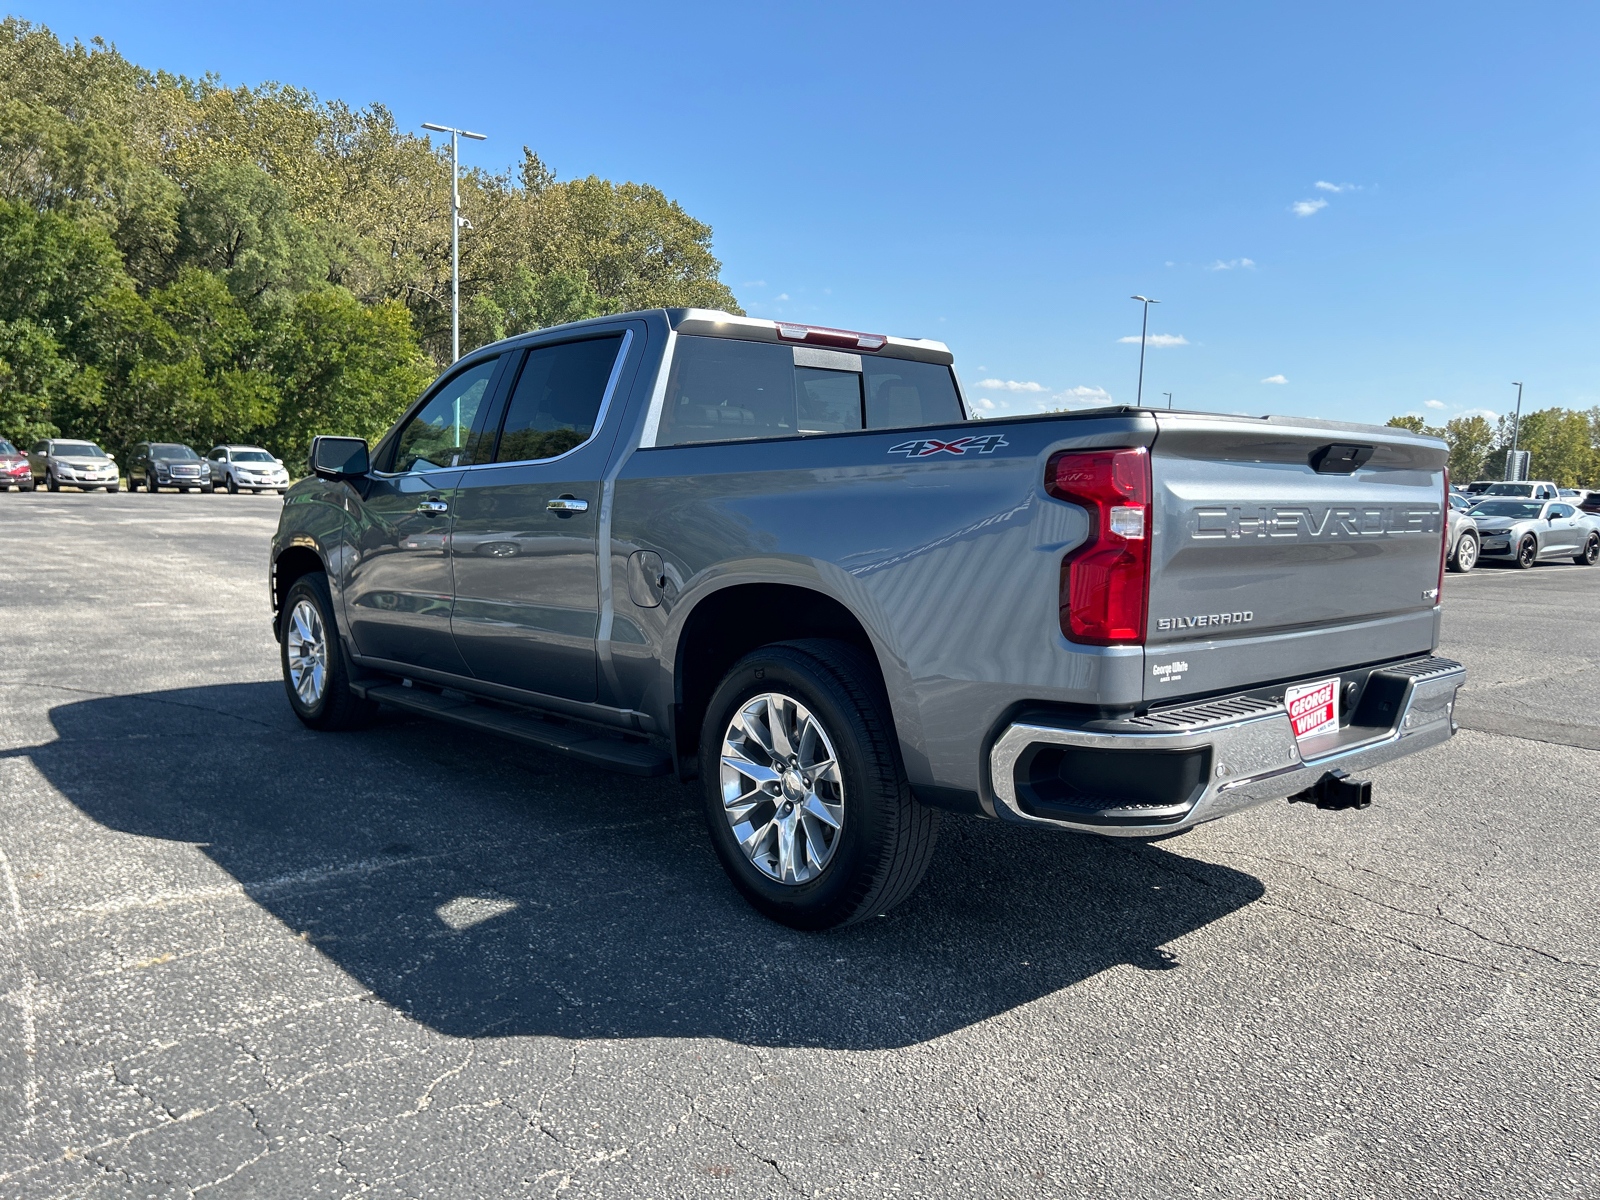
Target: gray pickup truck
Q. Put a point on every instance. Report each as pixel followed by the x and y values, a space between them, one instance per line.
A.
pixel 785 561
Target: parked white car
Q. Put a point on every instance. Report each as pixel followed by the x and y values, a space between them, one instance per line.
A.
pixel 247 468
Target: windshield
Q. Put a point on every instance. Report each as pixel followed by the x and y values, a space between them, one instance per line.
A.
pixel 77 450
pixel 1507 508
pixel 168 450
pixel 1509 489
pixel 6 447
pixel 252 456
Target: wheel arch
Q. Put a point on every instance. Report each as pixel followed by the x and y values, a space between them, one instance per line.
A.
pixel 726 624
pixel 296 561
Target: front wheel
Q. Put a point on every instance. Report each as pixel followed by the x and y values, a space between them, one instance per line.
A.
pixel 315 673
pixel 50 482
pixel 1465 556
pixel 805 795
pixel 206 489
pixel 233 488
pixel 1527 552
pixel 114 488
pixel 1590 554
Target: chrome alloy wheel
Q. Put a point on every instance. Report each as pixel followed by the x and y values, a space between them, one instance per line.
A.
pixel 307 644
pixel 1466 553
pixel 781 788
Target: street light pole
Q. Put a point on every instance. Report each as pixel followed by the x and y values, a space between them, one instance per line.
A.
pixel 1511 460
pixel 1143 330
pixel 1168 395
pixel 455 230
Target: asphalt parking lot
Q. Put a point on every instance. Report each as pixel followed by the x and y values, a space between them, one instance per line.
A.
pixel 241 958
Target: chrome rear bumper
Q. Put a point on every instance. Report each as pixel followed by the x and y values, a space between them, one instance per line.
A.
pixel 1230 754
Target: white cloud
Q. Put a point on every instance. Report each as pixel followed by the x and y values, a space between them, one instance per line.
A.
pixel 1274 379
pixel 755 283
pixel 1095 397
pixel 985 403
pixel 1011 385
pixel 1170 263
pixel 781 296
pixel 1306 208
pixel 1488 414
pixel 1232 264
pixel 1433 404
pixel 1158 339
pixel 1337 187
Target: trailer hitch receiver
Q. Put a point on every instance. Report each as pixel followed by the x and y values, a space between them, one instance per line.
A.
pixel 1335 791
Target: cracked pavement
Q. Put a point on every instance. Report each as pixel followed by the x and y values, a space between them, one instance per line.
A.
pixel 238 958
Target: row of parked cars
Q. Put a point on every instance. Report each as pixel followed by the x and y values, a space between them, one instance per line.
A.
pixel 54 463
pixel 1523 523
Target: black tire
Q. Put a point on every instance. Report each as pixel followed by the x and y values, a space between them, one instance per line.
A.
pixel 150 484
pixel 27 485
pixel 1590 554
pixel 1464 557
pixel 338 707
pixel 885 840
pixel 233 488
pixel 206 489
pixel 50 482
pixel 113 489
pixel 1527 553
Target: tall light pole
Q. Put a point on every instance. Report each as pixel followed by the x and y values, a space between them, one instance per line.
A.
pixel 1511 460
pixel 1143 330
pixel 1168 395
pixel 455 230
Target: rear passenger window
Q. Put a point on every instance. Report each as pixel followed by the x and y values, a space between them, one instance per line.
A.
pixel 723 390
pixel 901 392
pixel 556 399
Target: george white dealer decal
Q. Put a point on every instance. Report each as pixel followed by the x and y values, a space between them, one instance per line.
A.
pixel 1169 672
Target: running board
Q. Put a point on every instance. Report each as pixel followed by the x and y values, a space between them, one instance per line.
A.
pixel 600 750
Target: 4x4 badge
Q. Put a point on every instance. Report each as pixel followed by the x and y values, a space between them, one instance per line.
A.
pixel 923 447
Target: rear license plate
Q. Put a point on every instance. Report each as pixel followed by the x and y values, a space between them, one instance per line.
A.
pixel 1313 707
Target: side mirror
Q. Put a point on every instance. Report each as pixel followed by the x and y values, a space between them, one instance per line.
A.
pixel 339 457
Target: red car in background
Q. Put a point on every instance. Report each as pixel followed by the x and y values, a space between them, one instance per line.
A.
pixel 14 471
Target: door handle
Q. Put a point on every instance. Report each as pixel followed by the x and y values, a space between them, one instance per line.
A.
pixel 566 505
pixel 433 508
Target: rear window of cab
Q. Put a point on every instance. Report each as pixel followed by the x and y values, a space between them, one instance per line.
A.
pixel 721 389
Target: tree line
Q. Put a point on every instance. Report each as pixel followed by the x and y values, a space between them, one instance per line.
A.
pixel 187 261
pixel 1563 445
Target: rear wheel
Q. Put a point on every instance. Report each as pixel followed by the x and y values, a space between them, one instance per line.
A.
pixel 315 673
pixel 1590 554
pixel 805 796
pixel 1466 553
pixel 1527 552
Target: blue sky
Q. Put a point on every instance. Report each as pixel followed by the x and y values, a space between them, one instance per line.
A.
pixel 1347 210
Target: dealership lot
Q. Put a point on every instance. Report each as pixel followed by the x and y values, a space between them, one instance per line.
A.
pixel 240 958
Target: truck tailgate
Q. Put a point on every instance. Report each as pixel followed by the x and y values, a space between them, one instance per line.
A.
pixel 1264 569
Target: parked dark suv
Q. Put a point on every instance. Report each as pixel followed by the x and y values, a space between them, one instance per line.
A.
pixel 157 465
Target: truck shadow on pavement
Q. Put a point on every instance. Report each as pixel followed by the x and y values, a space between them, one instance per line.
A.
pixel 485 889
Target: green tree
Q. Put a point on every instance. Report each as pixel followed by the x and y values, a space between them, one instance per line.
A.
pixel 1471 439
pixel 1415 424
pixel 36 382
pixel 238 222
pixel 343 368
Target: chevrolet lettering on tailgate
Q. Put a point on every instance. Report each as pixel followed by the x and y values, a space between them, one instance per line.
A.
pixel 1285 521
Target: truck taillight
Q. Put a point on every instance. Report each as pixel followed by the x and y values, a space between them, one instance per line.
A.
pixel 1105 582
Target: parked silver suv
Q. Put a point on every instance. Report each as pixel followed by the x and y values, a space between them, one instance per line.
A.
pixel 57 461
pixel 249 468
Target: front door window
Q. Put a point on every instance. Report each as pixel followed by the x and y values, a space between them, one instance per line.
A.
pixel 438 434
